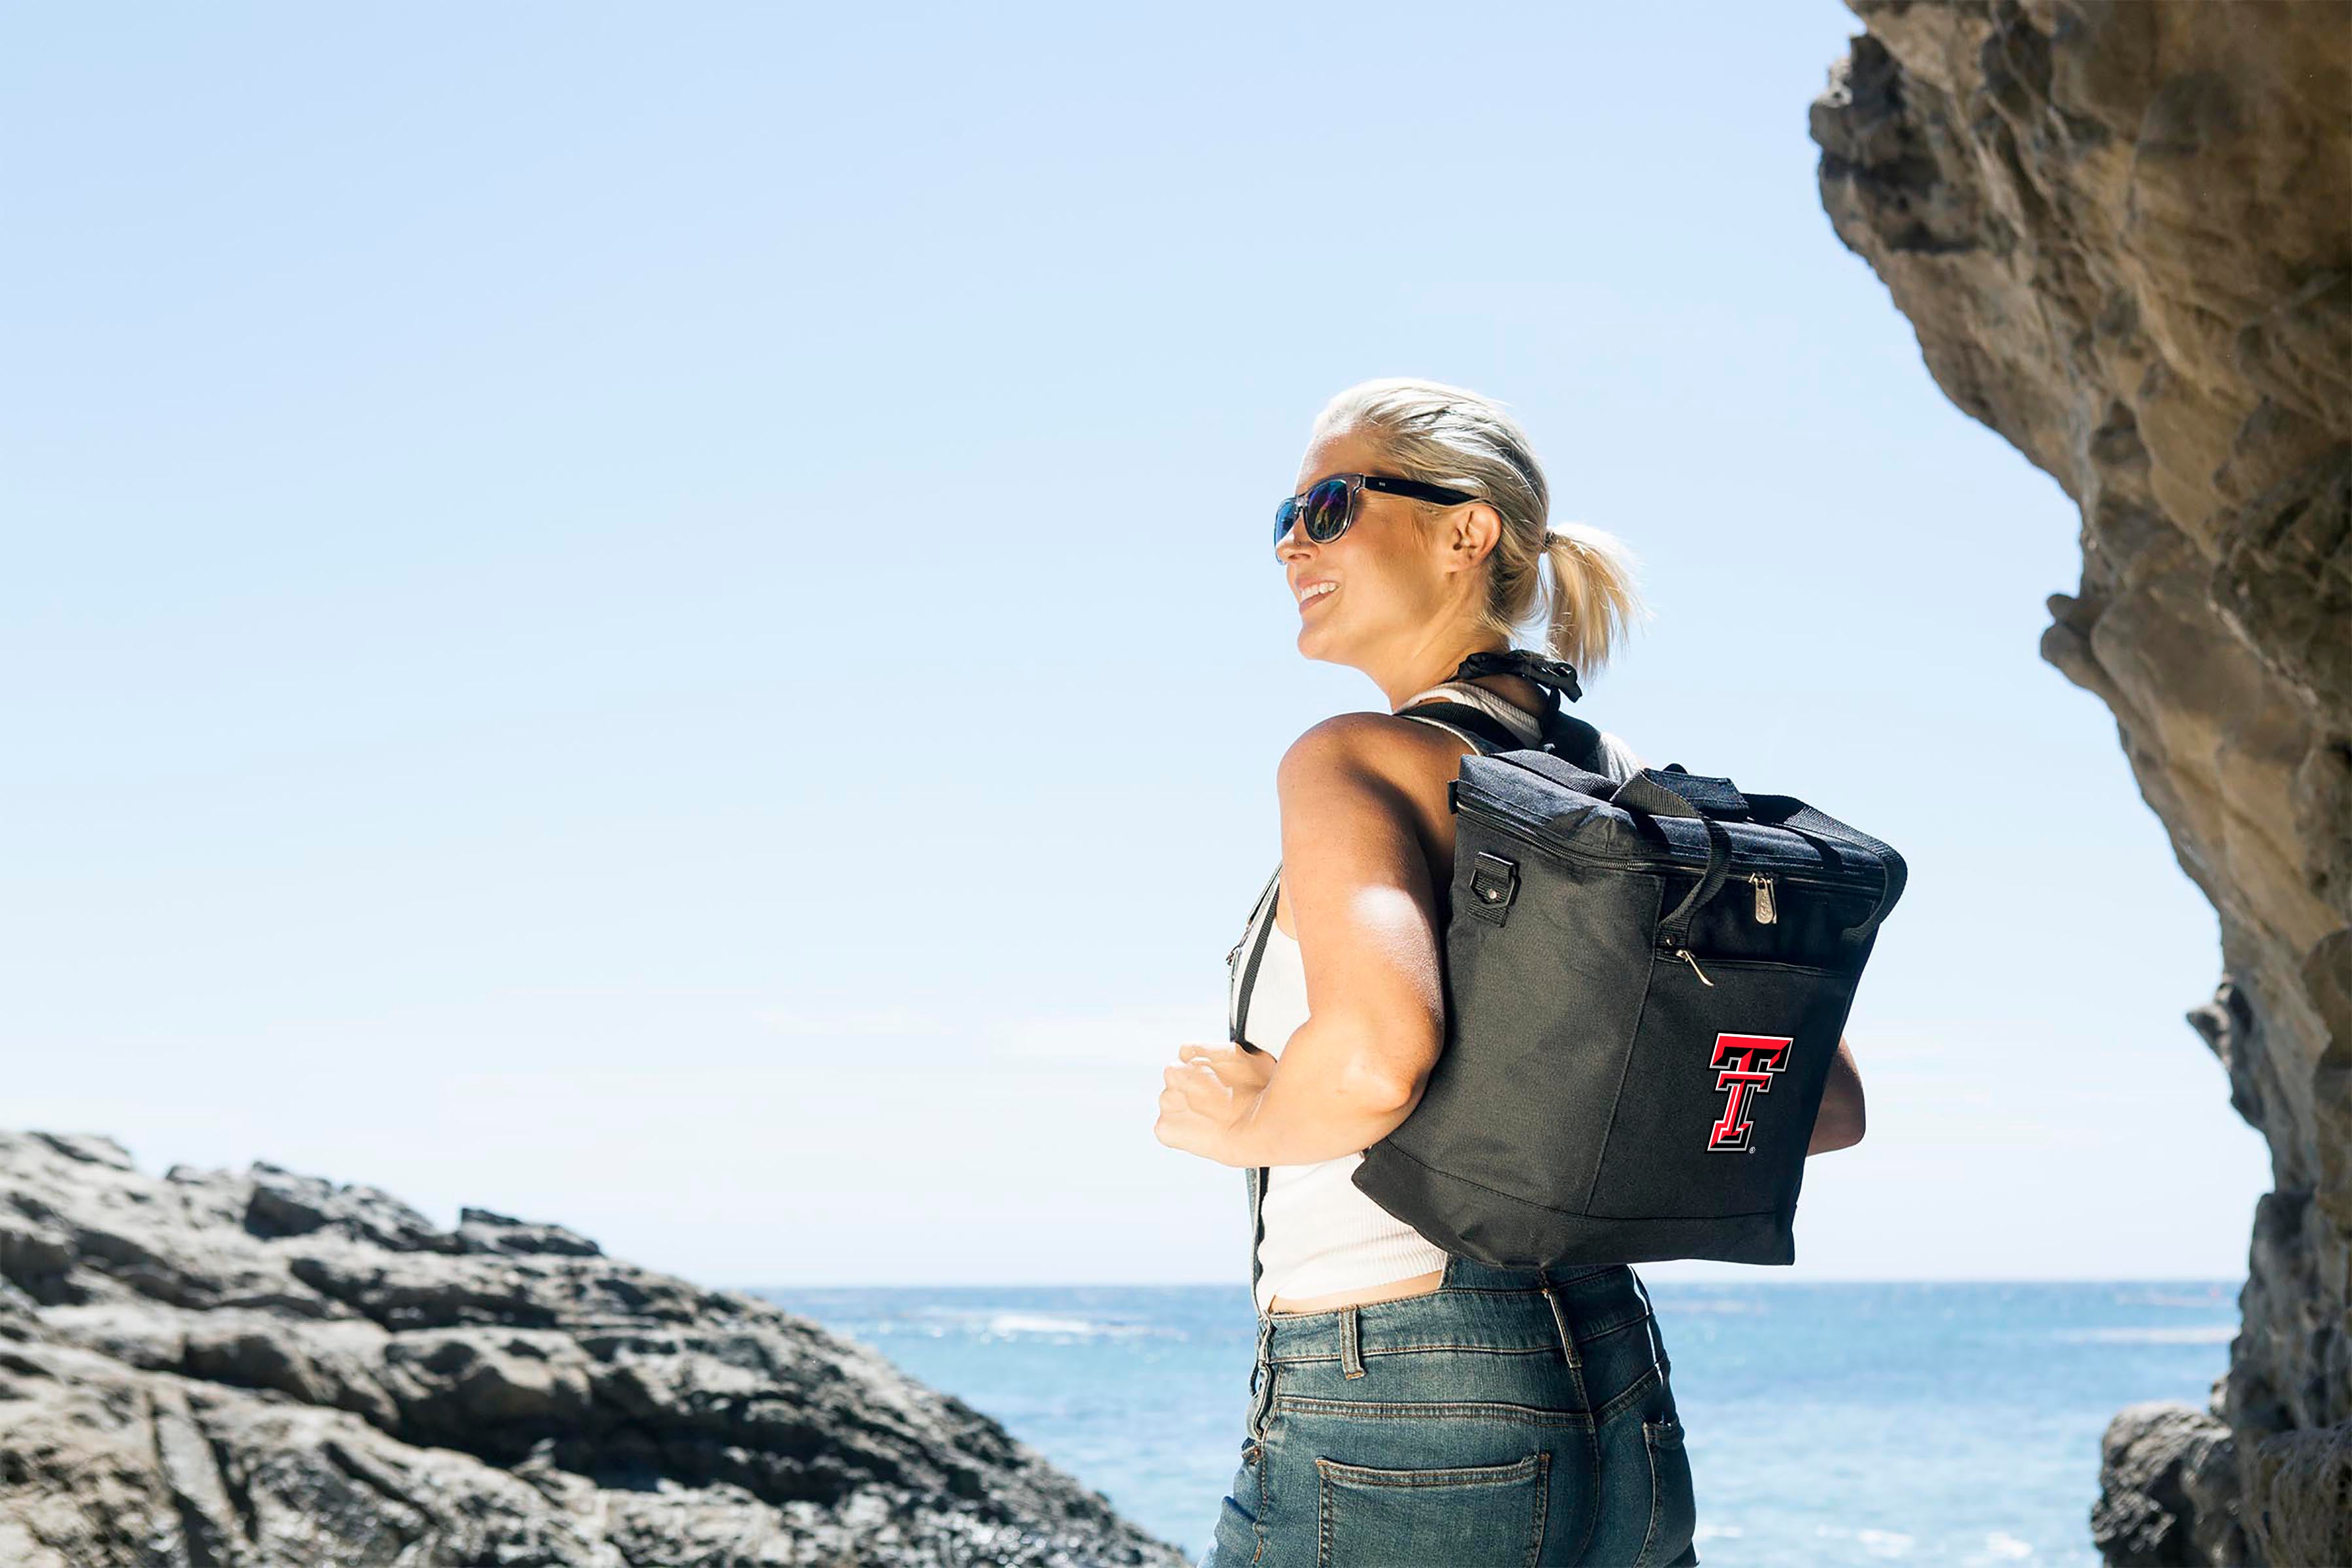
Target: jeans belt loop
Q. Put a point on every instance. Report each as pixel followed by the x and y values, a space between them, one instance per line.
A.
pixel 1352 1344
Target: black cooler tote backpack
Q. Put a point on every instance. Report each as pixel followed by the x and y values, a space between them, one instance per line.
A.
pixel 1645 985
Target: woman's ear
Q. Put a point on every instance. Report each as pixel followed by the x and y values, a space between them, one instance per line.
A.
pixel 1477 529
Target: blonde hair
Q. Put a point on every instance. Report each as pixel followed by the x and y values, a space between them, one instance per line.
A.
pixel 1444 435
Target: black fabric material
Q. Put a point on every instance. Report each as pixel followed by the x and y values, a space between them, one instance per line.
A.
pixel 1635 1055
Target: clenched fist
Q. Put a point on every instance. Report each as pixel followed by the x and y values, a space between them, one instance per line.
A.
pixel 1209 1092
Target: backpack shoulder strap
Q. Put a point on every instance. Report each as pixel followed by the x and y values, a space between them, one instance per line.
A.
pixel 1565 735
pixel 1480 728
pixel 1575 741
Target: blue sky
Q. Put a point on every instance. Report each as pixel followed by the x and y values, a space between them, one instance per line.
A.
pixel 663 618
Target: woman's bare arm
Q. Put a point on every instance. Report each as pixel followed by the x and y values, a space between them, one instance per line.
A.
pixel 1839 1123
pixel 1358 880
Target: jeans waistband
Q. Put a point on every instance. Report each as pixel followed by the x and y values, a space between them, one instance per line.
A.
pixel 1477 1305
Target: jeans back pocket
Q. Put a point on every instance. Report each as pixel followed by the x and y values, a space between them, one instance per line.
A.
pixel 1464 1513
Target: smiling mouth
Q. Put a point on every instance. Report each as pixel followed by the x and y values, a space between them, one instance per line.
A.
pixel 1317 597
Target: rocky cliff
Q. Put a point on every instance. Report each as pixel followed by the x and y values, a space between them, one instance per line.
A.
pixel 2123 235
pixel 213 1370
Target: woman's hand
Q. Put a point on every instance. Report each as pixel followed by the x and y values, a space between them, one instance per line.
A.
pixel 1210 1090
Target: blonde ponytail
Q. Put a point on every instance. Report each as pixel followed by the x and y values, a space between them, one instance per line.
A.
pixel 1592 602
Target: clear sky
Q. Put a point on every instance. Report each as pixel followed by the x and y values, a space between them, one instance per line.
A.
pixel 663 618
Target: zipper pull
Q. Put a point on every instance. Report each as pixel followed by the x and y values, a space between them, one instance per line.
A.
pixel 1685 954
pixel 1767 913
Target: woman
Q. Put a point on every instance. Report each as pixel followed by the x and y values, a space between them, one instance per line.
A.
pixel 1409 1407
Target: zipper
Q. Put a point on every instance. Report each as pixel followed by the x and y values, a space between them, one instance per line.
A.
pixel 1722 963
pixel 1768 910
pixel 1685 954
pixel 1517 826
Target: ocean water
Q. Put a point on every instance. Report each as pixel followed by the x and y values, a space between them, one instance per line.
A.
pixel 1829 1424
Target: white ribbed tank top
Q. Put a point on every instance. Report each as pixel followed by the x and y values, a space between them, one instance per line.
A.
pixel 1322 1234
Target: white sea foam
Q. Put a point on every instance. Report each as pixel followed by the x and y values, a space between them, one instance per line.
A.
pixel 1876 1542
pixel 2185 1334
pixel 1045 1323
pixel 2006 1547
pixel 2164 1299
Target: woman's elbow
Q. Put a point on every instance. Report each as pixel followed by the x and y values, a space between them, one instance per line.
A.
pixel 1388 1077
pixel 1380 1089
pixel 1839 1126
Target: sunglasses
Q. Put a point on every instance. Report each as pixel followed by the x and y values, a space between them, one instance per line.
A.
pixel 1329 505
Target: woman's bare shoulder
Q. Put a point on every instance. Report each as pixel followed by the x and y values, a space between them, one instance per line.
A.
pixel 1409 759
pixel 1383 741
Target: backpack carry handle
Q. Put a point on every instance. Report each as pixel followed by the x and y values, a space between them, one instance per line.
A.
pixel 1672 791
pixel 1787 812
pixel 1665 792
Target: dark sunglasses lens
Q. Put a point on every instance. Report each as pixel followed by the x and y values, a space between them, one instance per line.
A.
pixel 1283 515
pixel 1327 510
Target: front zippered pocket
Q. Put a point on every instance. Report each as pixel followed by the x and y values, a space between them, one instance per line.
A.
pixel 1823 970
pixel 1721 1086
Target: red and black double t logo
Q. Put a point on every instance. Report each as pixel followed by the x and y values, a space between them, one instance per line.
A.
pixel 1744 1066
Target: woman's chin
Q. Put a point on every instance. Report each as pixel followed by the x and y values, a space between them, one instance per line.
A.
pixel 1320 648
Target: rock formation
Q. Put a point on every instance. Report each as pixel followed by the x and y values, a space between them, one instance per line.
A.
pixel 212 1370
pixel 2123 235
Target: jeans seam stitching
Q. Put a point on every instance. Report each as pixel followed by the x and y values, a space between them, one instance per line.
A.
pixel 1447 1475
pixel 1550 1347
pixel 1591 1514
pixel 1322 1516
pixel 1649 1537
pixel 1257 1525
pixel 1543 1507
pixel 1488 1409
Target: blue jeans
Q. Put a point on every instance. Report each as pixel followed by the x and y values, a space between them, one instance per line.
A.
pixel 1515 1418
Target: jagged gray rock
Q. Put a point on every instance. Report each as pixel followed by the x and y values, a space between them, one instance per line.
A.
pixel 268 1369
pixel 2168 1476
pixel 2123 235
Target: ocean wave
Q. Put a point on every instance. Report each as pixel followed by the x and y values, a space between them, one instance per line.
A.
pixel 2184 1334
pixel 1877 1543
pixel 2165 1299
pixel 1025 1322
pixel 1049 1323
